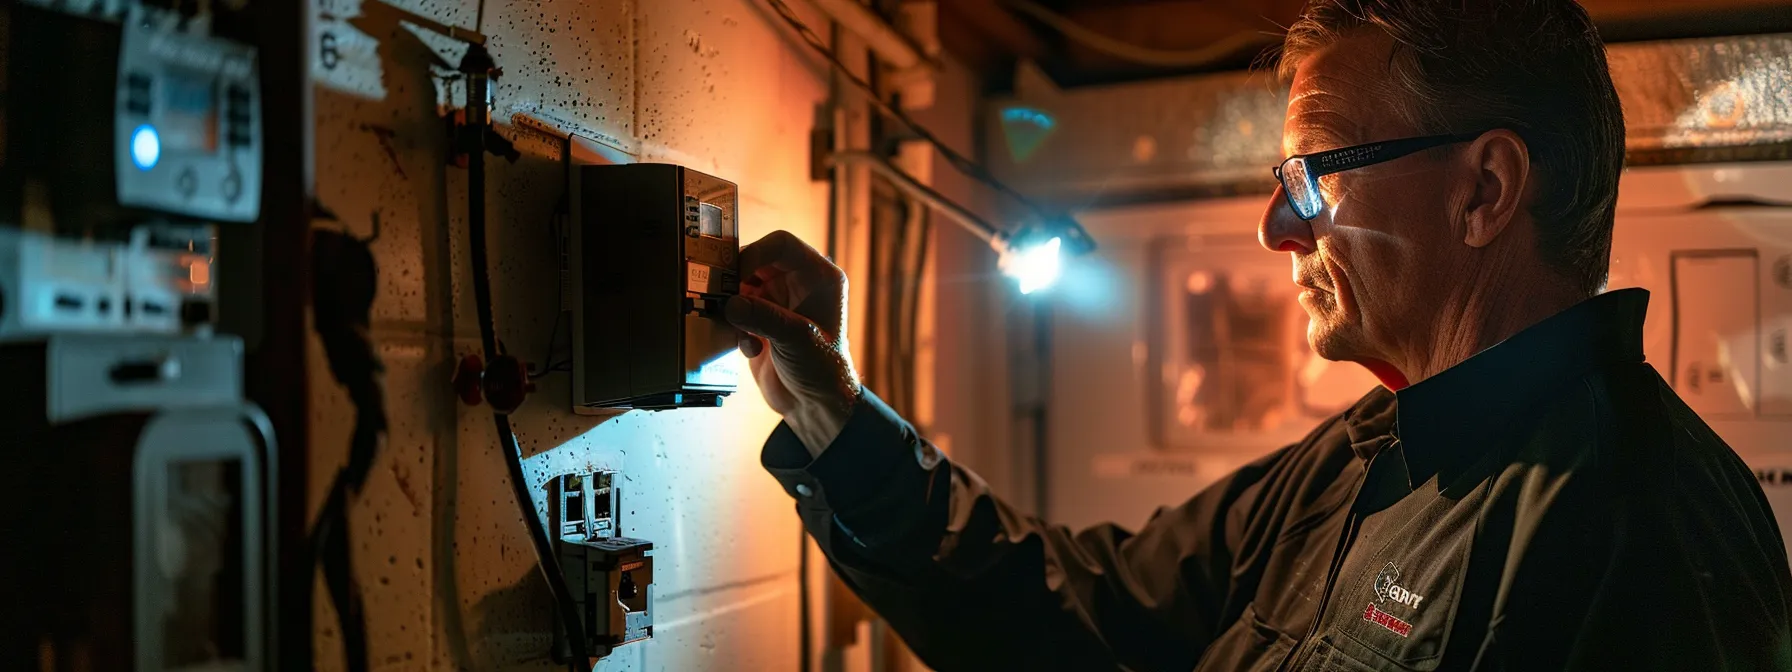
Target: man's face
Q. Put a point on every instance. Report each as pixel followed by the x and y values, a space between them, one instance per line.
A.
pixel 1374 266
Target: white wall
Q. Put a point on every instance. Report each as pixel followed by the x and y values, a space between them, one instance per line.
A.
pixel 442 557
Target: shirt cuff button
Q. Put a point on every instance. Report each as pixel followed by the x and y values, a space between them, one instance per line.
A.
pixel 804 489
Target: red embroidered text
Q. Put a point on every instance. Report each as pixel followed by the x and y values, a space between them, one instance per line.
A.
pixel 1387 620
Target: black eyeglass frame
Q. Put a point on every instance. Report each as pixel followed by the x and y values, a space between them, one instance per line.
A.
pixel 1332 161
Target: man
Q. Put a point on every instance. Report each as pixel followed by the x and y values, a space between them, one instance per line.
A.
pixel 1524 493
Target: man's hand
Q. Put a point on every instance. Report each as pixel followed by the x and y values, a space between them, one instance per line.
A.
pixel 792 312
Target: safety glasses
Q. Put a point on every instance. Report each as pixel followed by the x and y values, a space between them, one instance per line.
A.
pixel 1300 175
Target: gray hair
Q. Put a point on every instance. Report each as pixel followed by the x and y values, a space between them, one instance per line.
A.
pixel 1536 67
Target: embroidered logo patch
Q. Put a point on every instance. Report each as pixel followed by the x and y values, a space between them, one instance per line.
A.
pixel 1388 588
pixel 1387 620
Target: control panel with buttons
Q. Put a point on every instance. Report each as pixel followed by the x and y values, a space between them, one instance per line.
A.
pixel 158 283
pixel 187 125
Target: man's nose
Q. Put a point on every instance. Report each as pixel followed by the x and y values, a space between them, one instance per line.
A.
pixel 1283 231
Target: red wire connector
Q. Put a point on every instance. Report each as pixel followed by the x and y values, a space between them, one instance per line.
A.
pixel 505 384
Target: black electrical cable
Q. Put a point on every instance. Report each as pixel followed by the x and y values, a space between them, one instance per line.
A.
pixel 556 233
pixel 895 297
pixel 547 353
pixel 558 241
pixel 873 374
pixel 477 64
pixel 902 301
pixel 912 323
pixel 906 327
pixel 959 161
pixel 546 560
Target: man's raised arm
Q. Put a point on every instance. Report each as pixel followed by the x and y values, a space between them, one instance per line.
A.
pixel 968 582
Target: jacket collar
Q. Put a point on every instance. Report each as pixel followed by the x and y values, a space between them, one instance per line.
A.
pixel 1446 421
pixel 1370 423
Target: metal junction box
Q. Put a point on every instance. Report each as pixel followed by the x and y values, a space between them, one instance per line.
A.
pixel 653 260
pixel 610 576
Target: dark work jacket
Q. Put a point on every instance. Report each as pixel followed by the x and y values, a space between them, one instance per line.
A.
pixel 1548 504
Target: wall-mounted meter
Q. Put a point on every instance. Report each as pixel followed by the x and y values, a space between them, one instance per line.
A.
pixel 653 262
pixel 112 123
pixel 188 126
pixel 127 139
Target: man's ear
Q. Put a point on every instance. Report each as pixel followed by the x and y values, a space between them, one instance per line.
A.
pixel 1500 163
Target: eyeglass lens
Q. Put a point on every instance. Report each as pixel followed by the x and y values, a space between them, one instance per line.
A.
pixel 1303 194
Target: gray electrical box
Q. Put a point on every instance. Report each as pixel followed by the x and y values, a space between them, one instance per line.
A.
pixel 609 575
pixel 116 122
pixel 652 262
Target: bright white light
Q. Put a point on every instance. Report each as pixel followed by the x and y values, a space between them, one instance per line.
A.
pixel 1035 267
pixel 146 147
pixel 724 369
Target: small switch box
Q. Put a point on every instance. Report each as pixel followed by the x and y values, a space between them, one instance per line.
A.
pixel 610 576
pixel 610 579
pixel 588 505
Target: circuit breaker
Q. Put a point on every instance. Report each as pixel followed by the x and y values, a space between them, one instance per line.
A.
pixel 653 260
pixel 609 575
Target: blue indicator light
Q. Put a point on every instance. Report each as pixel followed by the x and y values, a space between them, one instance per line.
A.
pixel 146 147
pixel 1028 115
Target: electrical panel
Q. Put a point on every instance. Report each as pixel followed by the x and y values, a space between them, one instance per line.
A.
pixel 140 133
pixel 609 575
pixel 130 136
pixel 160 282
pixel 148 116
pixel 653 261
pixel 188 126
